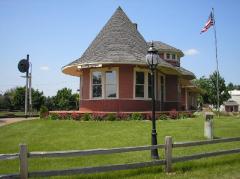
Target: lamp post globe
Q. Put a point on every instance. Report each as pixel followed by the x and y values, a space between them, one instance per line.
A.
pixel 152 59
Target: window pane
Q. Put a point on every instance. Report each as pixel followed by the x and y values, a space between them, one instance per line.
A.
pixel 96 77
pixel 149 91
pixel 97 91
pixel 149 79
pixel 139 91
pixel 149 85
pixel 139 77
pixel 162 80
pixel 173 56
pixel 168 56
pixel 111 91
pixel 110 77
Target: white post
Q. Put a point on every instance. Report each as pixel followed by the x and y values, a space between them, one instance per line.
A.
pixel 168 153
pixel 23 161
pixel 208 125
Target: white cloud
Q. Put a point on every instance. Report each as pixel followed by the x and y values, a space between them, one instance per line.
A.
pixel 44 68
pixel 191 52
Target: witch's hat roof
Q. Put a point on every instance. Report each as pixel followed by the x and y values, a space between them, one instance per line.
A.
pixel 119 42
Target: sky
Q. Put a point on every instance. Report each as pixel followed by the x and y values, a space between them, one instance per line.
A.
pixel 57 32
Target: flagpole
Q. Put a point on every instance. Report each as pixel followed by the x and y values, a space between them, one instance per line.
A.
pixel 216 55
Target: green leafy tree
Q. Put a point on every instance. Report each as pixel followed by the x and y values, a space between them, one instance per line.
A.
pixel 38 99
pixel 65 100
pixel 223 90
pixel 49 103
pixel 209 87
pixel 16 97
pixel 230 86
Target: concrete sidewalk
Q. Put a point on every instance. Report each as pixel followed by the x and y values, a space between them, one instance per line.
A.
pixel 6 121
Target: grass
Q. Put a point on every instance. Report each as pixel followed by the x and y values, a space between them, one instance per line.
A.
pixel 47 135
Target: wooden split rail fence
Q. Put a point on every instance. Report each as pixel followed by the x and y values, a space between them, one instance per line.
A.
pixel 23 156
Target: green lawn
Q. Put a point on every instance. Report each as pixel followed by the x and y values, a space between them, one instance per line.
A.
pixel 47 135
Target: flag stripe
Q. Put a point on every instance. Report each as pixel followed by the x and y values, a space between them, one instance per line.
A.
pixel 208 24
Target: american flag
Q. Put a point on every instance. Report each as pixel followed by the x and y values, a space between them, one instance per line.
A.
pixel 209 23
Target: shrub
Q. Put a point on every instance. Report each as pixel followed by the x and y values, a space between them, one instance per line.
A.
pixel 63 115
pixel 173 114
pixel 122 116
pixel 75 116
pixel 110 117
pixel 182 115
pixel 86 117
pixel 98 116
pixel 148 116
pixel 43 112
pixel 136 116
pixel 163 117
pixel 53 116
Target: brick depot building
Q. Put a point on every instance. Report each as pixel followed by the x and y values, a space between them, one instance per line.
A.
pixel 114 76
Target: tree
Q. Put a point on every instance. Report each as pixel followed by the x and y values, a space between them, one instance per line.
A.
pixel 38 99
pixel 223 91
pixel 209 87
pixel 65 100
pixel 16 98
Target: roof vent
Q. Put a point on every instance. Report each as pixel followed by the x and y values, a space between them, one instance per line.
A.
pixel 135 24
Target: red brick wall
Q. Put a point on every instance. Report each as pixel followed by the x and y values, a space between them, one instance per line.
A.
pixel 171 88
pixel 86 85
pixel 126 101
pixel 126 81
pixel 115 105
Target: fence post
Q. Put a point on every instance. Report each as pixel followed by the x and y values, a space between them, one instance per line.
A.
pixel 23 154
pixel 168 153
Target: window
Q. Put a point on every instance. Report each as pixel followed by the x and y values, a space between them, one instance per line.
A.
pixel 104 83
pixel 173 56
pixel 110 84
pixel 149 85
pixel 96 84
pixel 139 87
pixel 168 56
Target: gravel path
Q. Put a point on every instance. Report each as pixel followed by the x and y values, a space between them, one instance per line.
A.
pixel 6 121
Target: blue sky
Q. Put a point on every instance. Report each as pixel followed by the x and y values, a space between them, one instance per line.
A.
pixel 56 32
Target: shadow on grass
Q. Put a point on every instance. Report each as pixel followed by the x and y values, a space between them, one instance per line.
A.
pixel 120 174
pixel 206 163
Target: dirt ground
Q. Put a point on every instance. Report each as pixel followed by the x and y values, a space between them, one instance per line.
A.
pixel 6 121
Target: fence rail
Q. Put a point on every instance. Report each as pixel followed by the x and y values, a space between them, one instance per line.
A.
pixel 23 156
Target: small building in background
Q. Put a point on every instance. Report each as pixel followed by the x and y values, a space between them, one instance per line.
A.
pixel 235 96
pixel 231 106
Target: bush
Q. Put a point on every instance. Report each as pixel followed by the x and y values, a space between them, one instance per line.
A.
pixel 75 116
pixel 173 114
pixel 98 116
pixel 43 112
pixel 110 117
pixel 136 116
pixel 53 116
pixel 86 117
pixel 162 117
pixel 122 116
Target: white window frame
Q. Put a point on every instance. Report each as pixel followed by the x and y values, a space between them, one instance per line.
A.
pixel 159 86
pixel 145 71
pixel 103 72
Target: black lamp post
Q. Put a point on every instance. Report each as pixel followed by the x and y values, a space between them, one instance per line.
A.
pixel 152 59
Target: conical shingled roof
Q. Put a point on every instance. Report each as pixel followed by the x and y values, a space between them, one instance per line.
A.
pixel 119 42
